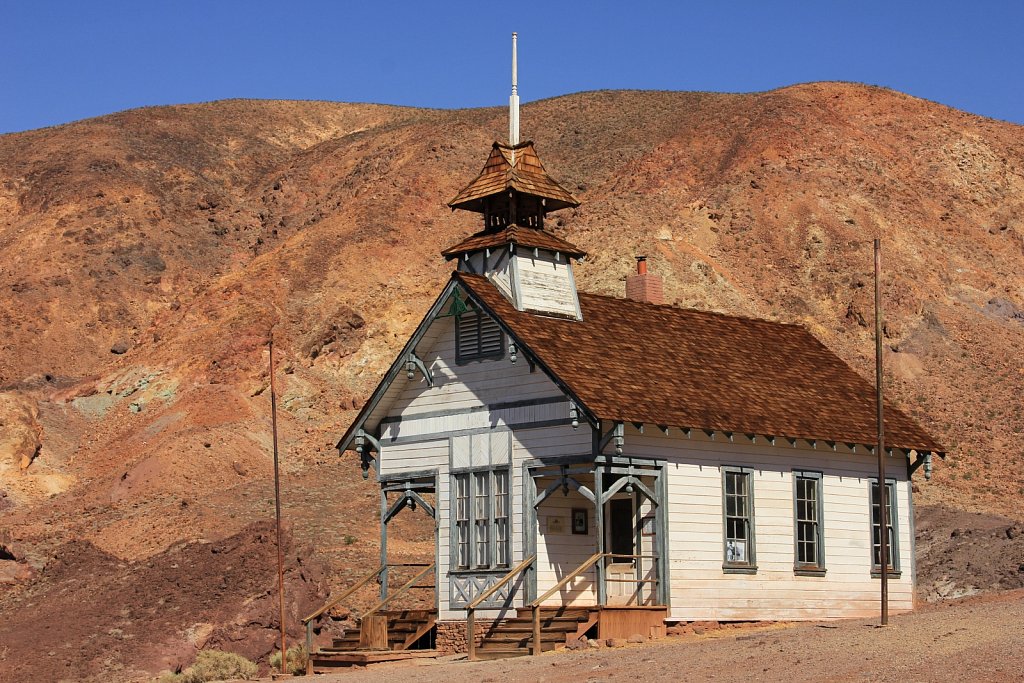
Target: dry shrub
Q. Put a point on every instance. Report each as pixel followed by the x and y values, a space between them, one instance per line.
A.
pixel 214 665
pixel 297 658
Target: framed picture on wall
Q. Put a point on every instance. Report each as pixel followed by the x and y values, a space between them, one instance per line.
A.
pixel 579 521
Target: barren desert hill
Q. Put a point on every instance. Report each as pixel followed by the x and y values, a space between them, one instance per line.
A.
pixel 146 256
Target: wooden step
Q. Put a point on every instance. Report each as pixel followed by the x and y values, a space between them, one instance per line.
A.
pixel 517 641
pixel 402 625
pixel 500 654
pixel 409 614
pixel 563 612
pixel 327 661
pixel 548 621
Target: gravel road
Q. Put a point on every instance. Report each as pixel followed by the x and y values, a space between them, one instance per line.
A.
pixel 975 639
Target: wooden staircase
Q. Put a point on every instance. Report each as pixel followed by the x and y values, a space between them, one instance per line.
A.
pixel 407 630
pixel 513 637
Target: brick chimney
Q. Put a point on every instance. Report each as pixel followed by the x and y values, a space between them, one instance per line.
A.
pixel 644 286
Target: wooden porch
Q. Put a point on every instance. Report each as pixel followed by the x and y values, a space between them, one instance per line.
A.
pixel 538 627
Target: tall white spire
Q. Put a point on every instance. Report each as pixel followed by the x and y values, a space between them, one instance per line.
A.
pixel 513 100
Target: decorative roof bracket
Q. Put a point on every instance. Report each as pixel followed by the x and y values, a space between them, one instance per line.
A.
pixel 412 362
pixel 365 443
pixel 618 433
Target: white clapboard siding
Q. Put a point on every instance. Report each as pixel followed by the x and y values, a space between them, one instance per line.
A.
pixel 499 272
pixel 699 587
pixel 546 285
pixel 443 544
pixel 559 553
pixel 412 457
pixel 472 384
pixel 550 442
pixel 421 421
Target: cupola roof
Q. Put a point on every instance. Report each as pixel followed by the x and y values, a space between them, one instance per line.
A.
pixel 516 169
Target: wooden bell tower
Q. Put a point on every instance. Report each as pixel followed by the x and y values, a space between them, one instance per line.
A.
pixel 514 193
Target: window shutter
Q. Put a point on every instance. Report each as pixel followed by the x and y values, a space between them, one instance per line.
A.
pixel 466 338
pixel 477 336
pixel 490 337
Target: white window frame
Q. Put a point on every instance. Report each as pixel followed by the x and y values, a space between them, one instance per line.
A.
pixel 803 524
pixel 730 545
pixel 479 529
pixel 892 521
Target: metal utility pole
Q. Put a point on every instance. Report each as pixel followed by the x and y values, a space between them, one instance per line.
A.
pixel 277 505
pixel 883 516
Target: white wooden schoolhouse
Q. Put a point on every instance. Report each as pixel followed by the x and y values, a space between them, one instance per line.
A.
pixel 605 465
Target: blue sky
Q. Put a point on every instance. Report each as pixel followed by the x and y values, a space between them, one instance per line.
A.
pixel 62 61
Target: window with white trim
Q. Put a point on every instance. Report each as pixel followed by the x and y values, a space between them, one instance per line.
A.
pixel 890 524
pixel 482 537
pixel 809 542
pixel 477 336
pixel 738 518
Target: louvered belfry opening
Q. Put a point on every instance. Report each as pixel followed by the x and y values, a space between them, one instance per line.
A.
pixel 477 336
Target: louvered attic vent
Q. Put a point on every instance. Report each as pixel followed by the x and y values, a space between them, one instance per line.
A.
pixel 477 336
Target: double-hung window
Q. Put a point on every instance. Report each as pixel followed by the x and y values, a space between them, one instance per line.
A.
pixel 477 337
pixel 890 524
pixel 482 519
pixel 807 516
pixel 738 518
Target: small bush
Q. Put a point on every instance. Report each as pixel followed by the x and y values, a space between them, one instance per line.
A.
pixel 297 657
pixel 214 665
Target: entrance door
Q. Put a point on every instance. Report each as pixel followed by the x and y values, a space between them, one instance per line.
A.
pixel 620 573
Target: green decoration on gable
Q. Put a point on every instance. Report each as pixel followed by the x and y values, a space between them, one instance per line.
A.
pixel 457 307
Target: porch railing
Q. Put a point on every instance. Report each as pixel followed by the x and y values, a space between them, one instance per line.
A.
pixel 535 644
pixel 471 607
pixel 410 584
pixel 307 622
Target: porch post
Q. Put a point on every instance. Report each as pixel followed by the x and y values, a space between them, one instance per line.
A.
pixel 530 531
pixel 638 544
pixel 383 543
pixel 599 519
pixel 661 535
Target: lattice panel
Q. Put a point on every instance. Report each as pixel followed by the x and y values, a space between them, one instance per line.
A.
pixel 465 588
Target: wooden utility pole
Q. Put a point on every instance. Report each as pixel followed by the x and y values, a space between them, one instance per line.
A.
pixel 277 505
pixel 883 516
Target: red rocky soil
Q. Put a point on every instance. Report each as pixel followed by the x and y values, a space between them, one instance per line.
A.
pixel 90 616
pixel 145 257
pixel 977 640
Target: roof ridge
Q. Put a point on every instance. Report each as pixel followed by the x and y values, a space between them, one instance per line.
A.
pixel 670 307
pixel 686 309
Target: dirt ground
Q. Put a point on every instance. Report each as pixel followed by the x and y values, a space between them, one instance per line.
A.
pixel 974 639
pixel 91 617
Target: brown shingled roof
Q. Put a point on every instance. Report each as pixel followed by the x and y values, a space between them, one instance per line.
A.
pixel 526 174
pixel 628 361
pixel 515 234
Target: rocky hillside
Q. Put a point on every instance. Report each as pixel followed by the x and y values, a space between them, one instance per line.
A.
pixel 146 256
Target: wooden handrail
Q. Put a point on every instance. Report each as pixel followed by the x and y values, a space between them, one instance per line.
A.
pixel 359 584
pixel 331 603
pixel 569 577
pixel 471 607
pixel 398 592
pixel 535 645
pixel 308 621
pixel 502 581
pixel 591 561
